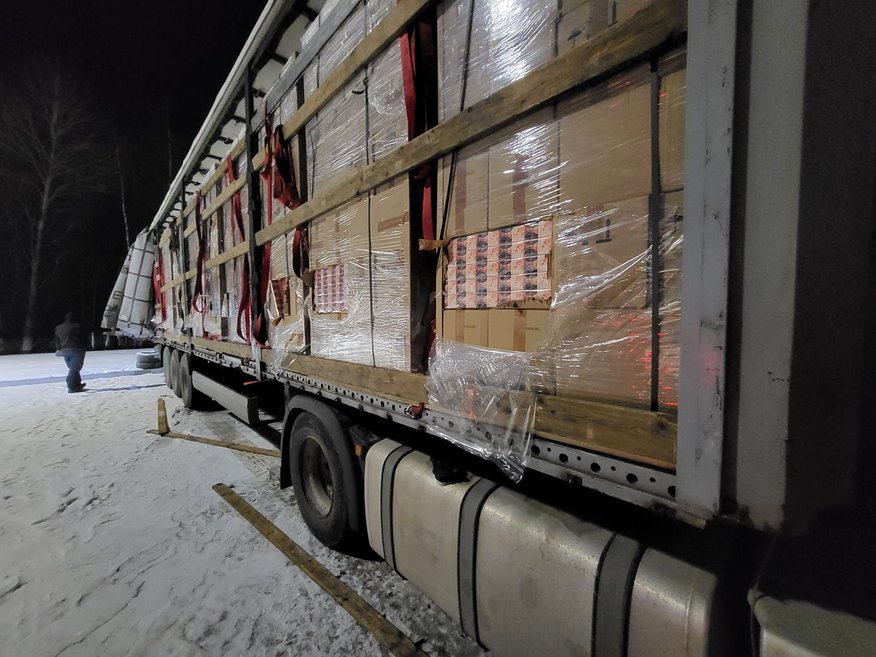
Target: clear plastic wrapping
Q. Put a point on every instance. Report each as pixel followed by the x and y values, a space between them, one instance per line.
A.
pixel 336 138
pixel 387 118
pixel 485 390
pixel 509 38
pixel 285 303
pixel 391 275
pixel 340 324
pixel 573 183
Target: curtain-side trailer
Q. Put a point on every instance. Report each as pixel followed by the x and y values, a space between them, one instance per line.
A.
pixel 570 304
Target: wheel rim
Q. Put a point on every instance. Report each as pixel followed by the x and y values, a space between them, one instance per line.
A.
pixel 316 476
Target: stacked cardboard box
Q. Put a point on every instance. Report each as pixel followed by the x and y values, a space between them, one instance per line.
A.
pixel 340 326
pixel 587 163
pixel 361 257
pixel 391 291
pixel 581 20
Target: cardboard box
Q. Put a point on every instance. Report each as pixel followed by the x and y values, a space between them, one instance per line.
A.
pixel 671 121
pixel 605 250
pixel 391 275
pixel 387 117
pixel 605 144
pixel 606 355
pixel 340 235
pixel 506 43
pixel 339 242
pixel 524 180
pixel 518 330
pixel 583 19
pixel 471 327
pixel 469 201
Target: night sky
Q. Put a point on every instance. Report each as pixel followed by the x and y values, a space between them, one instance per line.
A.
pixel 137 59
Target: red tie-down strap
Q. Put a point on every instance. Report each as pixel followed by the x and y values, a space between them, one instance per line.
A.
pixel 300 252
pixel 197 300
pixel 238 234
pixel 419 76
pixel 279 176
pixel 158 283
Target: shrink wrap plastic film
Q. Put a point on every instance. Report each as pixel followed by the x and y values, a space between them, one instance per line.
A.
pixel 340 320
pixel 367 118
pixel 486 388
pixel 360 258
pixel 582 170
pixel 234 268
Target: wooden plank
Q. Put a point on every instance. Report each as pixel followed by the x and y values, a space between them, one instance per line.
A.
pixel 636 434
pixel 240 447
pixel 221 346
pixel 226 256
pixel 651 29
pixel 407 387
pixel 392 639
pixel 236 149
pixel 174 282
pixel 374 43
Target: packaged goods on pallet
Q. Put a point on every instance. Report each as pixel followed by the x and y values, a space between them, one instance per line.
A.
pixel 360 254
pixel 551 223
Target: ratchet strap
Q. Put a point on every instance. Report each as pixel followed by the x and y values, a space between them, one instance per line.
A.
pixel 419 77
pixel 279 176
pixel 239 235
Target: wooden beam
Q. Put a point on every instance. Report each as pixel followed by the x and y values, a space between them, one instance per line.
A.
pixel 632 433
pixel 374 43
pixel 651 29
pixel 223 347
pixel 637 434
pixel 232 253
pixel 407 387
pixel 223 198
pixel 217 175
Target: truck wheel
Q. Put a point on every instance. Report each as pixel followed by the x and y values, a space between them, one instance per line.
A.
pixel 175 367
pixel 318 477
pixel 191 398
pixel 165 361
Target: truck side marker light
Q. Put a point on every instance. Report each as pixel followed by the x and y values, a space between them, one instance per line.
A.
pixel 386 634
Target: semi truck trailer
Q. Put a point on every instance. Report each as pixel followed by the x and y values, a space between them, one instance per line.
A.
pixel 570 304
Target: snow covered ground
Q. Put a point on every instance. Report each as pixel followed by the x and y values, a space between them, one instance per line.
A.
pixel 112 541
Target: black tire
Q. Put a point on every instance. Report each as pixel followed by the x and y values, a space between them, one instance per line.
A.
pixel 321 482
pixel 165 361
pixel 193 399
pixel 175 367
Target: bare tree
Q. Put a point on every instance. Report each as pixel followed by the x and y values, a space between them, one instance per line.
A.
pixel 122 190
pixel 55 156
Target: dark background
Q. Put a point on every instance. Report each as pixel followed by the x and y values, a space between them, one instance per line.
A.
pixel 148 66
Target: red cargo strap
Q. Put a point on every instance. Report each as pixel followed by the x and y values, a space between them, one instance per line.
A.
pixel 158 283
pixel 417 46
pixel 243 308
pixel 202 256
pixel 300 252
pixel 279 176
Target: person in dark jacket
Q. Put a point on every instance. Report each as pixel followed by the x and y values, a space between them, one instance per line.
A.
pixel 71 341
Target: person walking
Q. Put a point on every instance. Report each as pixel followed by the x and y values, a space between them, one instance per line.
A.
pixel 70 340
